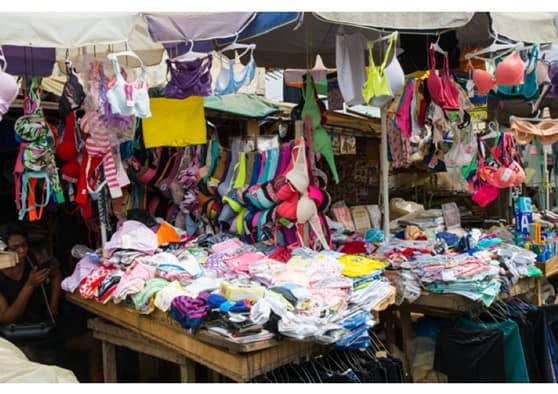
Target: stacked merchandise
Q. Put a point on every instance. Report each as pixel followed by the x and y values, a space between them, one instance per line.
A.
pixel 241 291
pixel 478 265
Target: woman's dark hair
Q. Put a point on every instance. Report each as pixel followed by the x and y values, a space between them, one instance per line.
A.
pixel 11 229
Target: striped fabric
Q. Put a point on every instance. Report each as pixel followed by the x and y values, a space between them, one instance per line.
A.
pixel 98 145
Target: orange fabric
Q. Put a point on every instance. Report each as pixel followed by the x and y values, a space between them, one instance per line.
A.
pixel 166 234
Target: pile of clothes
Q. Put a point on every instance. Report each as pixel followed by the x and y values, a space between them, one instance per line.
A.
pixel 237 290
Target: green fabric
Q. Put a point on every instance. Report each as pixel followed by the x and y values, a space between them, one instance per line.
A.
pixel 152 286
pixel 533 272
pixel 240 180
pixel 240 104
pixel 467 170
pixel 321 141
pixel 321 87
pixel 514 357
pixel 475 289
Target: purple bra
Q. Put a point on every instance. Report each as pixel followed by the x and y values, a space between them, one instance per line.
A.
pixel 189 78
pixel 553 75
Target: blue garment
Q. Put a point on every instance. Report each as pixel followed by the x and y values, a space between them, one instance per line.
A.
pixel 129 98
pixel 226 82
pixel 515 364
pixel 256 171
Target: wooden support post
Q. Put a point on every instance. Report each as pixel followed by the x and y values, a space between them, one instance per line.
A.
pixel 187 371
pixel 538 295
pixel 406 335
pixel 109 363
pixel 299 128
pixel 252 133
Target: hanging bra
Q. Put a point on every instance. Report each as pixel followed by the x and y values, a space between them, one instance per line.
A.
pixel 128 98
pixel 226 82
pixel 529 88
pixel 441 89
pixel 189 78
pixel 509 72
pixel 546 131
pixel 377 84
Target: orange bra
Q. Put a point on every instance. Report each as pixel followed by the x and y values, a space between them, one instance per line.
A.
pixel 546 131
pixel 509 72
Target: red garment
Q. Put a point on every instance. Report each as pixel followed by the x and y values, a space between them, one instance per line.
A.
pixel 354 247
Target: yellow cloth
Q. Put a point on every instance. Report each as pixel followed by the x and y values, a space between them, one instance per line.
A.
pixel 175 122
pixel 355 265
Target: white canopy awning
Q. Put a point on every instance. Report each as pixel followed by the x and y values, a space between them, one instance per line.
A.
pixel 400 20
pixel 531 27
pixel 66 30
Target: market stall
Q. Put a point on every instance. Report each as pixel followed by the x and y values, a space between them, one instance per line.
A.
pixel 242 234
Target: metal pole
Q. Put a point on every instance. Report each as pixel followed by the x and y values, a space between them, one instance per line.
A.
pixel 384 173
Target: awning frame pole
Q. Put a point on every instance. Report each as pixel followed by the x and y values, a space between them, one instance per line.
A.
pixel 384 174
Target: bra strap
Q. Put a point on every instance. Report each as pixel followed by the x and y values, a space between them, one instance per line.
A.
pixel 371 64
pixel 446 66
pixel 389 47
pixel 116 68
pixel 432 58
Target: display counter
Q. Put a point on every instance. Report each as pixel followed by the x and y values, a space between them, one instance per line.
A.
pixel 239 362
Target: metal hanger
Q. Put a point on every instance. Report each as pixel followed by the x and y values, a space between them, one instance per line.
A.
pixel 129 52
pixel 190 54
pixel 436 46
pixel 493 131
pixel 235 45
pixel 395 35
pixel 495 47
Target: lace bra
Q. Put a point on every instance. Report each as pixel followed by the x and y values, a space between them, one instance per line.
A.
pixel 226 82
pixel 128 98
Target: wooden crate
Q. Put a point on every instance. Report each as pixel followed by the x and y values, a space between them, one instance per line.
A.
pixel 549 267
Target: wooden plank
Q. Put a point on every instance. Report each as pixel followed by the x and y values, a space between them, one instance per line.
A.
pixel 109 363
pixel 123 337
pixel 549 267
pixel 240 367
pixel 150 348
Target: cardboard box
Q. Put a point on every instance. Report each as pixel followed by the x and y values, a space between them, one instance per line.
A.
pixel 8 259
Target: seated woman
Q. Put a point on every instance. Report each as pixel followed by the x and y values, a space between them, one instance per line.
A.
pixel 29 293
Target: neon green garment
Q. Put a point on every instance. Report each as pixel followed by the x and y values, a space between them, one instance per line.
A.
pixel 321 142
pixel 377 84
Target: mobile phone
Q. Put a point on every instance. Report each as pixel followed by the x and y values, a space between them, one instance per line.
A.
pixel 44 264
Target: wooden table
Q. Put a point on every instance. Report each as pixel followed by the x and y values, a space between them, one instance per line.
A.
pixel 445 305
pixel 549 268
pixel 163 337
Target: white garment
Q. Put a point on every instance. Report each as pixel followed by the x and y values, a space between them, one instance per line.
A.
pixel 15 367
pixel 350 51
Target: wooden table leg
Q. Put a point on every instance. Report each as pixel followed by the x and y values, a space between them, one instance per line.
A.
pixel 188 372
pixel 109 362
pixel 538 296
pixel 213 376
pixel 406 335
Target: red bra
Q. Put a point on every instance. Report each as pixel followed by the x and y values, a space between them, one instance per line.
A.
pixel 442 90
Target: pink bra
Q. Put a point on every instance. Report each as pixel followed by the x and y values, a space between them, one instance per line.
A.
pixel 509 72
pixel 442 90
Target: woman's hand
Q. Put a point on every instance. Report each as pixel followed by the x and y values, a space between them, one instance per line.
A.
pixel 36 277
